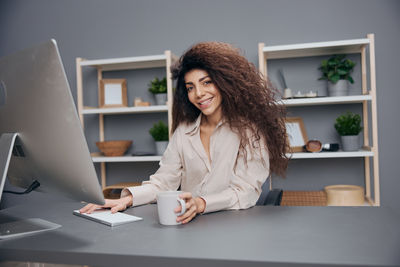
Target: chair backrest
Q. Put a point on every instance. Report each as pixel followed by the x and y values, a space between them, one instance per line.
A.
pixel 274 197
pixel 270 197
pixel 264 192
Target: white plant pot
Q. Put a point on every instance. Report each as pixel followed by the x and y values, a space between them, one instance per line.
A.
pixel 350 142
pixel 161 99
pixel 161 146
pixel 340 88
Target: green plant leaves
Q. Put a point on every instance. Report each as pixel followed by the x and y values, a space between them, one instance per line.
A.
pixel 334 77
pixel 336 68
pixel 157 86
pixel 348 124
pixel 159 131
pixel 341 71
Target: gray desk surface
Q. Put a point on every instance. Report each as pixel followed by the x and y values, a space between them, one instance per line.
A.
pixel 260 236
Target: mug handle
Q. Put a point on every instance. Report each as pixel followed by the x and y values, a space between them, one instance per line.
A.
pixel 183 206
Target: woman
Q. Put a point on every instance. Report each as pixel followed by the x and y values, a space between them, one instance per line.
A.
pixel 228 135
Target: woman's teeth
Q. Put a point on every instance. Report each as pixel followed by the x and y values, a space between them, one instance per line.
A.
pixel 206 102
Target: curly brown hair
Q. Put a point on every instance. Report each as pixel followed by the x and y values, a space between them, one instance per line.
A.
pixel 248 99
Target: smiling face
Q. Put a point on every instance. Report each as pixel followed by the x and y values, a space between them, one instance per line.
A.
pixel 203 94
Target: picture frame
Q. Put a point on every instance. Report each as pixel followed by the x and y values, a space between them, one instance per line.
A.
pixel 113 93
pixel 296 133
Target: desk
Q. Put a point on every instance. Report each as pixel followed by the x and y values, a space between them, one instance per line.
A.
pixel 260 236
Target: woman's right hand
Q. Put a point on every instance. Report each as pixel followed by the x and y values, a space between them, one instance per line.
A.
pixel 114 204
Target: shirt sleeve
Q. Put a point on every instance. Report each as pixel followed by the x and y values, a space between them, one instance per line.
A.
pixel 167 177
pixel 246 182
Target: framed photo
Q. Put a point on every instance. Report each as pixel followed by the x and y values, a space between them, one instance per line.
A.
pixel 113 93
pixel 296 133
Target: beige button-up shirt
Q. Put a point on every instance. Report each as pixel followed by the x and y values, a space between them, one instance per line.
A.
pixel 226 182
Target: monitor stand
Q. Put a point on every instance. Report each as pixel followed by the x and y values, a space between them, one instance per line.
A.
pixel 21 227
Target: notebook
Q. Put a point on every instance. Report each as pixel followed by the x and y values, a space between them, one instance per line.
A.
pixel 105 216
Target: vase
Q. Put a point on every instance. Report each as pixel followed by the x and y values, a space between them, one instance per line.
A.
pixel 161 99
pixel 350 142
pixel 340 88
pixel 161 146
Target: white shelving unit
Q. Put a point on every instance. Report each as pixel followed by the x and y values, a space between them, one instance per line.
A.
pixel 327 155
pixel 128 63
pixel 367 98
pixel 327 100
pixel 128 110
pixel 115 64
pixel 126 159
pixel 315 48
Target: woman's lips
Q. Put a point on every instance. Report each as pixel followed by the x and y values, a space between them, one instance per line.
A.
pixel 206 103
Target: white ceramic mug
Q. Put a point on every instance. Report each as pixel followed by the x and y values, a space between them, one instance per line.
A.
pixel 166 204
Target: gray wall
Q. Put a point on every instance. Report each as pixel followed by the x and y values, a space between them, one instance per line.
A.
pixel 104 29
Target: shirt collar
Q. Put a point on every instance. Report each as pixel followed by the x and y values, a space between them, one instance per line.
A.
pixel 194 127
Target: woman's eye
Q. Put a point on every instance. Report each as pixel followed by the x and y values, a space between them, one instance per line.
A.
pixel 208 82
pixel 189 88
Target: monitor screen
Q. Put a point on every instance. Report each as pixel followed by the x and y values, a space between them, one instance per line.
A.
pixel 36 107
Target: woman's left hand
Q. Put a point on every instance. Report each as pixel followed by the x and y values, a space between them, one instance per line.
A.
pixel 193 207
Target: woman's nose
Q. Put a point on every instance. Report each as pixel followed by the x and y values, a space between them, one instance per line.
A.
pixel 199 91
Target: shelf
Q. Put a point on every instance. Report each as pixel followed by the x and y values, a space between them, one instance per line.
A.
pixel 367 203
pixel 163 61
pixel 144 62
pixel 365 49
pixel 326 155
pixel 125 110
pixel 315 49
pixel 326 100
pixel 127 159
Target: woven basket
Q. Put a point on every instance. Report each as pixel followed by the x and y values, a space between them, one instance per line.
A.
pixel 303 198
pixel 114 148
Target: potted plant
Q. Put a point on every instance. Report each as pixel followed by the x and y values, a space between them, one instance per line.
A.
pixel 159 89
pixel 348 126
pixel 159 132
pixel 336 70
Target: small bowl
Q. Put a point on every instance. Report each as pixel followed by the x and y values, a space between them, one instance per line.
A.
pixel 344 195
pixel 313 146
pixel 114 148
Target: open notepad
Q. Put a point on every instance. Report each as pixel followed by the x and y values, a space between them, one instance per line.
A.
pixel 106 217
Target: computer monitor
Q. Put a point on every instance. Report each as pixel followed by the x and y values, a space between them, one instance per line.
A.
pixel 40 124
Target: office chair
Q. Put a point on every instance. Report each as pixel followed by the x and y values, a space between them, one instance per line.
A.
pixel 269 197
pixel 276 197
